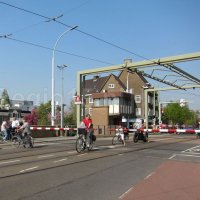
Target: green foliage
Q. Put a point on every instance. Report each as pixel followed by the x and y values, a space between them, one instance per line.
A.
pixel 44 113
pixel 175 114
pixel 5 100
pixel 70 115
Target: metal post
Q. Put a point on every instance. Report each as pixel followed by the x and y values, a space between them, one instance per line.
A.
pixel 62 97
pixel 53 76
pixel 146 108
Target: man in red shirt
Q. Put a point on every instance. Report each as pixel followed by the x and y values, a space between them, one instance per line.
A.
pixel 88 122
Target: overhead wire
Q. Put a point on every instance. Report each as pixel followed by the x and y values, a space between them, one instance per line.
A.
pixel 83 32
pixel 88 34
pixel 60 51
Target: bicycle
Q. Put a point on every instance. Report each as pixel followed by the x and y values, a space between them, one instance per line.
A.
pixel 81 141
pixel 117 138
pixel 27 141
pixel 1 136
pixel 140 135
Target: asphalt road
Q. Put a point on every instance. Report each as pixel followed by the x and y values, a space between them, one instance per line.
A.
pixel 54 170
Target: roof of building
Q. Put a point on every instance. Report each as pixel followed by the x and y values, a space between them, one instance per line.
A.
pixel 96 84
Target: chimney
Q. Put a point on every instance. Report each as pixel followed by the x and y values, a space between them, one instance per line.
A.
pixel 126 61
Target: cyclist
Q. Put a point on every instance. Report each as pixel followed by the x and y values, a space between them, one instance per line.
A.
pixel 88 122
pixel 121 132
pixel 25 131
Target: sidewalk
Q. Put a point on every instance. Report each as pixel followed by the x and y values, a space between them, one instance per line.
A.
pixel 173 180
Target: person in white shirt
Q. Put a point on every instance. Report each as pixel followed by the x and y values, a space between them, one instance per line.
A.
pixel 4 127
pixel 15 123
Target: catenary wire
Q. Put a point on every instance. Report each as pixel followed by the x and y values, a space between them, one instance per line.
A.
pixel 83 32
pixel 60 51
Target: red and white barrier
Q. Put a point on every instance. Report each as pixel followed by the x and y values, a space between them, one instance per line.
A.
pixel 168 130
pixel 52 129
pixel 130 130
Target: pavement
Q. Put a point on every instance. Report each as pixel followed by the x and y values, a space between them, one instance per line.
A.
pixel 173 180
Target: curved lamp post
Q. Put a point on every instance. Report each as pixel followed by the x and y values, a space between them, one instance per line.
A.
pixel 53 76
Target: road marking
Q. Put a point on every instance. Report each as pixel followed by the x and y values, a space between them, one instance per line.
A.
pixel 148 176
pixel 188 155
pixel 12 161
pixel 45 156
pixel 82 154
pixel 125 193
pixel 56 161
pixel 71 152
pixel 191 148
pixel 28 169
pixel 172 157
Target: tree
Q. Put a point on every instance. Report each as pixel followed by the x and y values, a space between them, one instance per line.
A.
pixel 44 113
pixel 5 100
pixel 175 114
pixel 70 115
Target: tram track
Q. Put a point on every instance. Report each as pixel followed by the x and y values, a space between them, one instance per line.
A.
pixel 93 155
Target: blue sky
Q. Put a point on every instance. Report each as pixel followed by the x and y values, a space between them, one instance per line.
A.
pixel 150 28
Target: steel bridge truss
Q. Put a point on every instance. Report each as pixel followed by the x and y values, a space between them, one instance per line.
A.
pixel 166 64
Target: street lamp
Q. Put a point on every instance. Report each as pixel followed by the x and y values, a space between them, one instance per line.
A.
pixel 62 97
pixel 53 76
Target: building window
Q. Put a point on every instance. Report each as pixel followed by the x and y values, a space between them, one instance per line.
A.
pixel 138 111
pixel 96 102
pixel 137 98
pixel 91 99
pixel 90 111
pixel 111 85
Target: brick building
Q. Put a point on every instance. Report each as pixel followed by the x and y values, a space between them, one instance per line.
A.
pixel 113 100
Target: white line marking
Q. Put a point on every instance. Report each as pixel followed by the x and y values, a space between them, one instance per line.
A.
pixel 123 195
pixel 45 156
pixel 172 157
pixel 82 154
pixel 71 152
pixel 56 161
pixel 149 175
pixel 190 149
pixel 12 161
pixel 28 169
pixel 188 155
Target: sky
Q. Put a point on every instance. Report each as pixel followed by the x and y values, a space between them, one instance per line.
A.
pixel 108 32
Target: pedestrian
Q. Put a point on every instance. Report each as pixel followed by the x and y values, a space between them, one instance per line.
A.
pixel 4 129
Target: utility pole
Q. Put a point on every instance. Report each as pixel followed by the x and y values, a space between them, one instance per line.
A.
pixel 62 97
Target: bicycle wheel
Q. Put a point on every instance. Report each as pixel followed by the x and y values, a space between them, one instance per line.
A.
pixel 91 145
pixel 16 141
pixel 80 145
pixel 135 138
pixel 31 142
pixel 115 140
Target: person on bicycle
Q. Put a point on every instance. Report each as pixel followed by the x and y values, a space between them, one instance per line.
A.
pixel 88 122
pixel 14 125
pixel 25 130
pixel 121 132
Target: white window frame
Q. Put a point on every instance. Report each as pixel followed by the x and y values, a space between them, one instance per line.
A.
pixel 138 111
pixel 137 98
pixel 111 85
pixel 90 111
pixel 91 99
